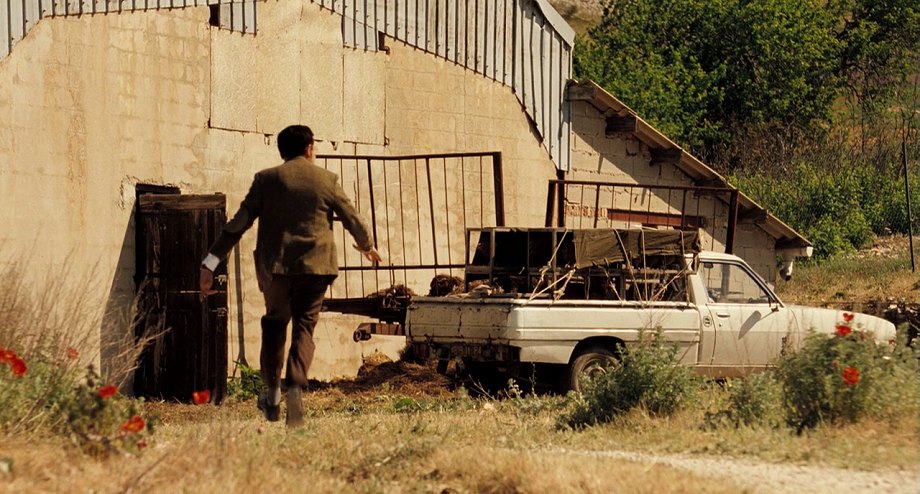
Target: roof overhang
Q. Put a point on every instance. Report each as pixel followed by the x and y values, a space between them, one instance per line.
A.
pixel 563 28
pixel 788 241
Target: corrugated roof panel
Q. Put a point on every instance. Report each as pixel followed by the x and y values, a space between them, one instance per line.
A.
pixel 523 44
pixel 18 17
pixel 517 43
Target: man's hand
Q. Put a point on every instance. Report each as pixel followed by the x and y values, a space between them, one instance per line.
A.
pixel 371 255
pixel 206 282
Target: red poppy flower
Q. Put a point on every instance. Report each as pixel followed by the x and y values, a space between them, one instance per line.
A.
pixel 134 424
pixel 107 391
pixel 848 316
pixel 201 397
pixel 6 356
pixel 843 330
pixel 18 366
pixel 850 375
pixel 72 353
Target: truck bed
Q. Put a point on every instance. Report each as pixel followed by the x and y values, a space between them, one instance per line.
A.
pixel 543 335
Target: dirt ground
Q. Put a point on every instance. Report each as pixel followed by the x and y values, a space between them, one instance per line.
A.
pixel 401 378
pixel 764 477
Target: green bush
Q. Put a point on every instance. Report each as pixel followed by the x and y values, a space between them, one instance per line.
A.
pixel 846 377
pixel 249 385
pixel 753 401
pixel 51 396
pixel 838 209
pixel 649 375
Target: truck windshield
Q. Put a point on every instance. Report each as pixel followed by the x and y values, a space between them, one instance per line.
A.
pixel 728 283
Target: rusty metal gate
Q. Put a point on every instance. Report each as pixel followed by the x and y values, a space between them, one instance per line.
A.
pixel 187 350
pixel 419 208
pixel 586 204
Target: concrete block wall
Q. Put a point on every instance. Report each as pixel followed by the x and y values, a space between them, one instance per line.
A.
pixel 749 245
pixel 624 159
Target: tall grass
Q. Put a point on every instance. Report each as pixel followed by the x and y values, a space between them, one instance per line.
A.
pixel 854 278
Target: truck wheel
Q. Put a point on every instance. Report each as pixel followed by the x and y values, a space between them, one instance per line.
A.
pixel 591 361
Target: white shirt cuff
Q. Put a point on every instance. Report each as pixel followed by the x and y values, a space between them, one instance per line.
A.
pixel 211 262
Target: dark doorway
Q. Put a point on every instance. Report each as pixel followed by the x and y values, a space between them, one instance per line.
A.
pixel 188 347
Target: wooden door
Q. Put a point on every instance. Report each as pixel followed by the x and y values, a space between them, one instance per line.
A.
pixel 188 347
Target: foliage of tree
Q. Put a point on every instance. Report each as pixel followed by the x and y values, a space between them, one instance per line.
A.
pixel 811 106
pixel 879 41
pixel 711 72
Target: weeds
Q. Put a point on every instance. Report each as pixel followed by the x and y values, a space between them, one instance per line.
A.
pixel 246 387
pixel 846 377
pixel 648 376
pixel 102 422
pixel 51 385
pixel 754 401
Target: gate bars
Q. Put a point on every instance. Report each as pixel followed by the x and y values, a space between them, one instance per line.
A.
pixel 419 207
pixel 612 204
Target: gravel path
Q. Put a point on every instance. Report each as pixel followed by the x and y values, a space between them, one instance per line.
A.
pixel 763 477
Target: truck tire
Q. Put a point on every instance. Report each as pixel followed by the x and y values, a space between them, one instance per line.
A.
pixel 589 362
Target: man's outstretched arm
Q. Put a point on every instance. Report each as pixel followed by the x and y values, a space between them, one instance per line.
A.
pixel 352 222
pixel 230 235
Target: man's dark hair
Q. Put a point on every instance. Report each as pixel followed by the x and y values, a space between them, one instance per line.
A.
pixel 293 141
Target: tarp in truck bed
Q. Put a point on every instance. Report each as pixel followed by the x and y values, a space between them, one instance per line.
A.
pixel 606 246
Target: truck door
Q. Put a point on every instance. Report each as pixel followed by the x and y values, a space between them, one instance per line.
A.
pixel 749 326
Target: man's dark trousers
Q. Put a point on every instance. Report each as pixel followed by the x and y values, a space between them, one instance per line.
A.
pixel 287 297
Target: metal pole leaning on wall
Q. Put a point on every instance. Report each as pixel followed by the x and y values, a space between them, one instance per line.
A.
pixel 498 184
pixel 732 223
pixel 910 226
pixel 238 279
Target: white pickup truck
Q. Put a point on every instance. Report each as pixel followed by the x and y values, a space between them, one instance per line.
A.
pixel 600 288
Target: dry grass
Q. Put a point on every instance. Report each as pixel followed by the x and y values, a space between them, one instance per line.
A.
pixel 868 445
pixel 476 450
pixel 362 442
pixel 880 273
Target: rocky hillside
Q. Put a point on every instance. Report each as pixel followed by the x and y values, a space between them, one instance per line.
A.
pixel 580 14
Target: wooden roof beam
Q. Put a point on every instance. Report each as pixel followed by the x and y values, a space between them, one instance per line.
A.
pixel 617 124
pixel 753 217
pixel 709 182
pixel 581 92
pixel 665 156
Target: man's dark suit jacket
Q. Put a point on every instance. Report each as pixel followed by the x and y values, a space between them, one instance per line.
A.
pixel 294 203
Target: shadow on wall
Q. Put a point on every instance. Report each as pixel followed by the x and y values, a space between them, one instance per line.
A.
pixel 117 345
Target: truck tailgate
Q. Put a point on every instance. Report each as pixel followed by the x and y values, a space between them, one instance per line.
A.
pixel 446 319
